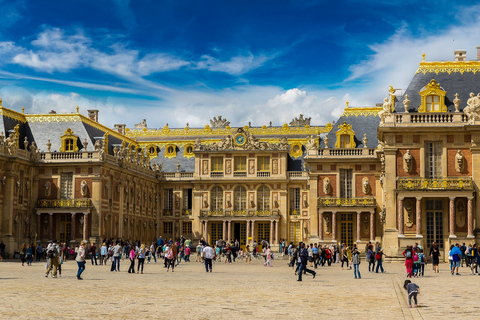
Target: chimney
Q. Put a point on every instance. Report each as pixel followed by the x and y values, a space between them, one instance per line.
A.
pixel 460 55
pixel 478 53
pixel 52 112
pixel 93 115
pixel 120 128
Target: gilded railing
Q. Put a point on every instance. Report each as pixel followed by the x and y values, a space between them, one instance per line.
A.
pixel 347 202
pixel 435 184
pixel 64 203
pixel 187 212
pixel 240 213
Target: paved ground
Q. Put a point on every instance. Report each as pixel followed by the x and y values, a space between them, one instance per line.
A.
pixel 234 291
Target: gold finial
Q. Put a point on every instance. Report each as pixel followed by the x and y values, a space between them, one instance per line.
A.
pixel 423 56
pixel 0 102
pixel 347 103
pixel 456 95
pixel 77 109
pixel 23 110
pixel 391 90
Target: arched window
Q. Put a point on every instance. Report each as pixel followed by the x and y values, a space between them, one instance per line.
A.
pixel 240 198
pixel 151 150
pixel 263 198
pixel 216 198
pixel 433 98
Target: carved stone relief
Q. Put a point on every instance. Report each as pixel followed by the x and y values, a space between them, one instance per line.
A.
pixel 275 166
pixel 83 188
pixel 407 161
pixel 409 218
pixel 365 185
pixel 47 188
pixel 228 166
pixel 459 162
pixel 460 214
pixel 251 166
pixel 326 186
pixel 328 225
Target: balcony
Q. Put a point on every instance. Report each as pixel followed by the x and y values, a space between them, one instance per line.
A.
pixel 240 213
pixel 186 212
pixel 216 174
pixel 347 202
pixel 64 203
pixel 442 184
pixel 347 152
pixel 426 119
pixel 263 174
pixel 297 174
pixel 239 174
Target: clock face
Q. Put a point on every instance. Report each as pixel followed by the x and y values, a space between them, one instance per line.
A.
pixel 240 139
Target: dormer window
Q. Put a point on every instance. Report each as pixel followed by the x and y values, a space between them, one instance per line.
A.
pixel 433 98
pixel 170 151
pixel 188 151
pixel 69 141
pixel 345 136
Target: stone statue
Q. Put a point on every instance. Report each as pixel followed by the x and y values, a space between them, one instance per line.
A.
pixel 219 123
pixel 327 224
pixel 459 162
pixel 456 103
pixel 472 109
pixel 25 143
pixel 49 145
pixel 409 221
pixel 383 214
pixel 275 200
pixel 382 162
pixel 142 124
pixel 98 145
pixel 386 110
pixel 83 188
pixel 326 186
pixel 229 201
pixel 205 200
pixel 365 140
pixel 406 103
pixel 407 162
pixel 365 185
pixel 47 188
pixel 198 144
pixel 305 202
pixel 311 144
pixel 252 202
pixel 300 122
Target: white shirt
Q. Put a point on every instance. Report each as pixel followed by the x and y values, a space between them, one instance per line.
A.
pixel 208 253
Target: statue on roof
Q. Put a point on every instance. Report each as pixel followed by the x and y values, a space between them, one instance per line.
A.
pixel 385 109
pixel 311 145
pixel 472 110
pixel 219 123
pixel 142 124
pixel 300 122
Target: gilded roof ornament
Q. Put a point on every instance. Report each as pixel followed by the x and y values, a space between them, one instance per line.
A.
pixel 219 122
pixel 300 122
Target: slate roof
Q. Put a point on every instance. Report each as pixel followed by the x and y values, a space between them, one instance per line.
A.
pixel 452 83
pixel 361 125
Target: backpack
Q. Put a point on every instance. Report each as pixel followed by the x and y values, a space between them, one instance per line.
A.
pixel 408 254
pixel 170 254
pixel 415 258
pixel 422 258
pixel 51 253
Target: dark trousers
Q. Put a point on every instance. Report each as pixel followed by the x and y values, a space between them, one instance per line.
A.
pixel 208 264
pixel 38 256
pixel 171 262
pixel 344 260
pixel 141 261
pixel 93 256
pixel 379 265
pixel 303 268
pixel 116 263
pixel 132 266
pixel 371 263
pixel 316 260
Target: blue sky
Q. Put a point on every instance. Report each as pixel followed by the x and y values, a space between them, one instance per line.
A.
pixel 250 61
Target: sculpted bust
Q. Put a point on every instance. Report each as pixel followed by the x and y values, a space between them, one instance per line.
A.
pixel 459 161
pixel 407 162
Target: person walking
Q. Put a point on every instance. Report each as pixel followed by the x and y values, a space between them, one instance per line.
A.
pixel 379 257
pixel 248 255
pixel 53 251
pixel 344 255
pixel 435 256
pixel 356 263
pixel 131 256
pixel 81 260
pixel 456 254
pixel 103 254
pixel 171 256
pixel 117 251
pixel 408 254
pixel 141 257
pixel 371 259
pixel 23 253
pixel 303 258
pixel 268 255
pixel 39 252
pixel 208 256
pixel 93 253
pixel 29 255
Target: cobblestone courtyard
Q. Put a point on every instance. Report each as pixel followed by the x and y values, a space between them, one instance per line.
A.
pixel 235 291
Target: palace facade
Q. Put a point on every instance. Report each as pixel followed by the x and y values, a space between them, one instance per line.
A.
pixel 401 172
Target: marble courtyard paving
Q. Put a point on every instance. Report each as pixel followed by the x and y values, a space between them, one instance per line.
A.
pixel 235 291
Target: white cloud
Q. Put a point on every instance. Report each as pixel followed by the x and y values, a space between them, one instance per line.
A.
pixel 159 62
pixel 235 66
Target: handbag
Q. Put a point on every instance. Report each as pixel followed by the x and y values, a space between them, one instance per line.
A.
pixel 378 256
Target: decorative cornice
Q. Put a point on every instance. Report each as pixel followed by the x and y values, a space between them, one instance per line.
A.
pixel 364 112
pixel 12 114
pixel 208 131
pixel 449 67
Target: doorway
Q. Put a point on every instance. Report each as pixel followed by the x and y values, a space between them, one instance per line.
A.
pixel 346 229
pixel 240 233
pixel 435 223
pixel 65 228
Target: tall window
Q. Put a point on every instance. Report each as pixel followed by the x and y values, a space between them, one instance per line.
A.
pixel 239 198
pixel 187 199
pixel 294 201
pixel 168 199
pixel 187 229
pixel 345 183
pixel 167 230
pixel 66 179
pixel 344 141
pixel 433 162
pixel 69 145
pixel 263 163
pixel 240 164
pixel 263 198
pixel 433 103
pixel 216 198
pixel 217 164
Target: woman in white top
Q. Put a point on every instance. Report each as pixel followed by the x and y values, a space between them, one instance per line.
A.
pixel 80 260
pixel 268 256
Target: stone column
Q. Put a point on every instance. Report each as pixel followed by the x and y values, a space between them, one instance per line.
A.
pixel 359 222
pixel 271 232
pixel 39 226
pixel 206 231
pixel 277 241
pixel 253 231
pixel 334 226
pixel 229 235
pixel 85 226
pixel 418 212
pixel 74 227
pixel 452 217
pixel 470 218
pixel 224 233
pixel 50 226
pixel 248 232
pixel 400 217
pixel 320 225
pixel 372 226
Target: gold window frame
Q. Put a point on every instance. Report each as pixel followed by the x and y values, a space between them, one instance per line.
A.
pixel 170 151
pixel 69 136
pixel 432 89
pixel 345 129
